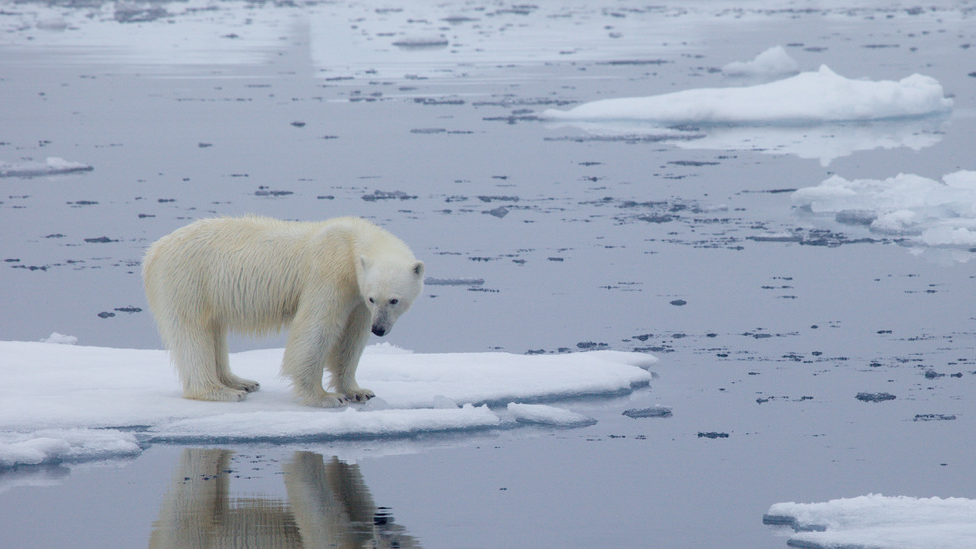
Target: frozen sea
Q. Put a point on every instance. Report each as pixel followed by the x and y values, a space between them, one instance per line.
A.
pixel 748 225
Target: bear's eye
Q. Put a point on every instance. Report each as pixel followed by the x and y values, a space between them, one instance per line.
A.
pixel 394 301
pixel 371 300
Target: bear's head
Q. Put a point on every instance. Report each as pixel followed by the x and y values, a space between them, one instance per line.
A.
pixel 389 287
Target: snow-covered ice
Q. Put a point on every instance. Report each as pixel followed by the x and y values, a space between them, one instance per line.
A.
pixel 875 521
pixel 930 212
pixel 772 62
pixel 70 402
pixel 807 98
pixel 819 115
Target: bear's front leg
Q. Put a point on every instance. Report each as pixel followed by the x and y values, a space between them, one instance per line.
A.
pixel 306 353
pixel 344 358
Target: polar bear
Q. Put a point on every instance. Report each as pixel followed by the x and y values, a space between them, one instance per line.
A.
pixel 332 282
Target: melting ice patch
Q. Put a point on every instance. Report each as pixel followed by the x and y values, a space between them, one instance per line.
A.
pixel 52 166
pixel 930 212
pixel 70 402
pixel 547 415
pixel 817 114
pixel 878 522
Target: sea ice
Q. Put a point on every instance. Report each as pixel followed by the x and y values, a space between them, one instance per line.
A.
pixel 48 445
pixel 933 213
pixel 52 166
pixel 548 415
pixel 70 402
pixel 772 62
pixel 878 522
pixel 807 98
pixel 654 411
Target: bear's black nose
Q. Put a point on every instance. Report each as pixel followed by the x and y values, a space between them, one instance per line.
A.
pixel 379 330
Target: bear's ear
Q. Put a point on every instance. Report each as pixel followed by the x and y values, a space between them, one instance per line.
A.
pixel 363 262
pixel 418 269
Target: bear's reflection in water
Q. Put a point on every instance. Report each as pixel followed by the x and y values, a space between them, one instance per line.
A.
pixel 328 506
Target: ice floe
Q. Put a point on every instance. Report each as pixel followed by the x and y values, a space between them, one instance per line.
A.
pixel 52 166
pixel 875 521
pixel 807 98
pixel 772 62
pixel 929 212
pixel 70 402
pixel 819 115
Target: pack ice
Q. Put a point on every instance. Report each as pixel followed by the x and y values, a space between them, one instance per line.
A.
pixel 875 521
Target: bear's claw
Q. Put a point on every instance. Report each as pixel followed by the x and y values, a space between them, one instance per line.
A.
pixel 360 395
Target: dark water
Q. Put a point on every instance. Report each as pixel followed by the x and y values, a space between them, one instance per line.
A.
pixel 582 242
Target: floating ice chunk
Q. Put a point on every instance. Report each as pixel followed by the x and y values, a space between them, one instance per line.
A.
pixel 653 411
pixel 421 42
pixel 53 166
pixel 57 445
pixel 86 391
pixel 548 415
pixel 935 213
pixel 804 99
pixel 60 339
pixel 878 522
pixel 772 62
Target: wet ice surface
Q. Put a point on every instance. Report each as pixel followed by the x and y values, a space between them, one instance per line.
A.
pixel 769 317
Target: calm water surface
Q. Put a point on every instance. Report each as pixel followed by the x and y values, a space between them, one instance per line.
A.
pixel 582 240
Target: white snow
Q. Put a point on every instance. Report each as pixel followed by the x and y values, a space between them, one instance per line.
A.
pixel 772 62
pixel 875 521
pixel 807 98
pixel 930 212
pixel 71 402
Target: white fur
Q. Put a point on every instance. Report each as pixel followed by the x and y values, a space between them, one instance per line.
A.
pixel 330 281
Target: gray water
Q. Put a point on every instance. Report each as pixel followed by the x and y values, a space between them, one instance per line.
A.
pixel 582 242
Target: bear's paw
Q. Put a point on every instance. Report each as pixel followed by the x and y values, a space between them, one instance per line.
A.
pixel 326 400
pixel 217 394
pixel 359 395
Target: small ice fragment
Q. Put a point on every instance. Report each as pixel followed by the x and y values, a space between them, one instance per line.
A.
pixel 772 62
pixel 548 415
pixel 934 417
pixel 376 403
pixel 653 411
pixel 875 397
pixel 60 339
pixel 421 42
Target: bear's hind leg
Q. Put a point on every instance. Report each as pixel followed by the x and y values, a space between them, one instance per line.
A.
pixel 193 351
pixel 224 374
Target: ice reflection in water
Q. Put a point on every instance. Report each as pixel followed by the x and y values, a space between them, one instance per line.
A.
pixel 328 505
pixel 825 142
